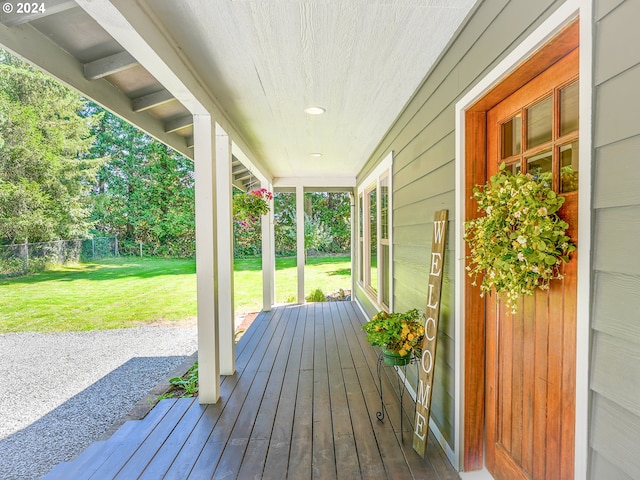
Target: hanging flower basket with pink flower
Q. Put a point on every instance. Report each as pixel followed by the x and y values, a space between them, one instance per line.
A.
pixel 250 206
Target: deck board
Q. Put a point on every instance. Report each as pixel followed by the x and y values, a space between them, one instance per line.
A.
pixel 302 404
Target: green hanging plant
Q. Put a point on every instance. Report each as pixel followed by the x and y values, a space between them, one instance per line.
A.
pixel 520 243
pixel 249 207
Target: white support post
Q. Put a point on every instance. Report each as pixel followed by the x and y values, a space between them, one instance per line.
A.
pixel 224 253
pixel 268 255
pixel 354 242
pixel 204 155
pixel 300 240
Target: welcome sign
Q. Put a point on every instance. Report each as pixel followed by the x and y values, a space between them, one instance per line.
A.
pixel 427 361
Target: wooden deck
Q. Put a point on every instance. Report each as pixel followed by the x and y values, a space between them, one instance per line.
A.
pixel 302 405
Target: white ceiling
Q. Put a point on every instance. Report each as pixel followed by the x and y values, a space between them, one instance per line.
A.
pixel 256 63
pixel 265 61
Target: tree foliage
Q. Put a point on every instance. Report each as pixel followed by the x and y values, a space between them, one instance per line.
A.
pixel 145 191
pixel 45 170
pixel 327 226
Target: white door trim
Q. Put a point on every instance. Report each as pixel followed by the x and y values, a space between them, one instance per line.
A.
pixel 550 27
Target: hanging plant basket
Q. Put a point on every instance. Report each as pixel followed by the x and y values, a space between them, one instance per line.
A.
pixel 250 206
pixel 520 243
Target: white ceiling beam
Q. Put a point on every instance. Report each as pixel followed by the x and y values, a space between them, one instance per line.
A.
pixel 346 182
pixel 178 124
pixel 238 167
pixel 243 176
pixel 41 10
pixel 239 185
pixel 151 100
pixel 109 65
pixel 190 142
pixel 134 26
pixel 37 49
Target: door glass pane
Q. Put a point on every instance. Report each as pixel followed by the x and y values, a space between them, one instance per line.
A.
pixel 384 207
pixel 569 167
pixel 514 168
pixel 540 166
pixel 373 243
pixel 540 123
pixel 512 137
pixel 569 109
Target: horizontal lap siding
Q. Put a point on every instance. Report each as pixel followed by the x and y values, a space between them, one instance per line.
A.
pixel 615 359
pixel 423 142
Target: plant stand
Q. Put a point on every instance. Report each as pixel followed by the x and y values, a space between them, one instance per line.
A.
pixel 401 388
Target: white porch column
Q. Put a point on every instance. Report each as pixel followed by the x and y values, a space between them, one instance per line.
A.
pixel 300 240
pixel 204 158
pixel 354 242
pixel 268 256
pixel 224 253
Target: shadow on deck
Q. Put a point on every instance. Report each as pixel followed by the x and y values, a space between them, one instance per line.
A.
pixel 302 405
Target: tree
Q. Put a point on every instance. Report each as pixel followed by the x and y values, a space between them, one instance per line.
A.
pixel 145 191
pixel 45 171
pixel 327 222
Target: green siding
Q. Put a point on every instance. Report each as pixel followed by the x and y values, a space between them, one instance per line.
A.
pixel 423 141
pixel 615 355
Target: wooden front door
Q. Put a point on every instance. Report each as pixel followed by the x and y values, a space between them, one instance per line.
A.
pixel 530 356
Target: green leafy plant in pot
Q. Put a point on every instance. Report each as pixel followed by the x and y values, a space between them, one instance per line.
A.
pixel 397 333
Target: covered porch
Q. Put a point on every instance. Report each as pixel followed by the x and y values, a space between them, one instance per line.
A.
pixel 301 404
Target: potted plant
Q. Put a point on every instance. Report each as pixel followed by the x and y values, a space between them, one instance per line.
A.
pixel 397 333
pixel 248 207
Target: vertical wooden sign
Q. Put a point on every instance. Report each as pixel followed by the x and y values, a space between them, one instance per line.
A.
pixel 432 312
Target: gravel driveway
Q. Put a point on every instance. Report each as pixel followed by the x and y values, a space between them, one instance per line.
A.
pixel 60 392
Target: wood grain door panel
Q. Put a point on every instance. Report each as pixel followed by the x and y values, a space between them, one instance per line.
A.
pixel 530 355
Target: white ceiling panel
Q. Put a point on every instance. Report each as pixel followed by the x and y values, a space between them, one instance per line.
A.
pixel 265 61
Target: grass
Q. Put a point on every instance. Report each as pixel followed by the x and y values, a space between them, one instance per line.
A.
pixel 124 292
pixel 115 293
pixel 325 273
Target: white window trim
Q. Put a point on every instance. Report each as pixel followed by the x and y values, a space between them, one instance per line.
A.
pixel 382 169
pixel 549 28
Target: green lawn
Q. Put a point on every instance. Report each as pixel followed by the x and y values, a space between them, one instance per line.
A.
pixel 114 293
pixel 326 273
pixel 124 292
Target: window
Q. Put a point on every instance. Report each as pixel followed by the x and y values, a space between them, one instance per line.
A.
pixel 542 138
pixel 360 238
pixel 374 235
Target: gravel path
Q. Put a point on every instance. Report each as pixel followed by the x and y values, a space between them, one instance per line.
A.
pixel 60 392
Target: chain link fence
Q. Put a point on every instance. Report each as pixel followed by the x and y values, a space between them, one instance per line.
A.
pixel 24 258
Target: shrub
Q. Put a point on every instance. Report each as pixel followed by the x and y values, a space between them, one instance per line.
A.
pixel 316 296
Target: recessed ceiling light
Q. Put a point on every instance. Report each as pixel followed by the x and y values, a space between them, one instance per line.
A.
pixel 315 154
pixel 314 110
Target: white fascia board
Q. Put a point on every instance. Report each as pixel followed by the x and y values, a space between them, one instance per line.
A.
pixel 134 27
pixel 346 182
pixel 35 48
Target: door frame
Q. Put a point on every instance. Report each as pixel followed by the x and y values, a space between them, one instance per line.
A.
pixel 469 381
